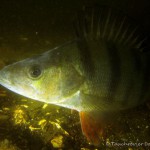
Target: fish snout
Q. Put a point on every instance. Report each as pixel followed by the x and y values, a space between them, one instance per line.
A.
pixel 5 77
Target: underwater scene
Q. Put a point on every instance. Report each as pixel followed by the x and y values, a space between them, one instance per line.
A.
pixel 74 75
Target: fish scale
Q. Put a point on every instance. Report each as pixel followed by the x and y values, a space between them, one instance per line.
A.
pixel 104 70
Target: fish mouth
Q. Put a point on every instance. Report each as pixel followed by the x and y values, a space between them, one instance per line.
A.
pixel 4 79
pixel 12 85
pixel 8 81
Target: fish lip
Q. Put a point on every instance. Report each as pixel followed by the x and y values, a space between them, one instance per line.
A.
pixel 5 83
pixel 4 79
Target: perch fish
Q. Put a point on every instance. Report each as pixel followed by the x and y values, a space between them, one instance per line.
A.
pixel 105 69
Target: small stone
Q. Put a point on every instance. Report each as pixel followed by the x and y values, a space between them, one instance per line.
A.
pixel 57 141
pixel 7 145
pixel 147 127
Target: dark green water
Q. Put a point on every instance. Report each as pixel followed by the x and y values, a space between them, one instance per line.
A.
pixel 31 27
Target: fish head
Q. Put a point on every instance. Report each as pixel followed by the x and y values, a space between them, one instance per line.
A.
pixel 48 77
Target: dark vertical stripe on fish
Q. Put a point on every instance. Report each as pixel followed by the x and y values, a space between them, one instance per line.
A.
pixel 135 54
pixel 128 92
pixel 146 82
pixel 85 56
pixel 115 66
pixel 137 69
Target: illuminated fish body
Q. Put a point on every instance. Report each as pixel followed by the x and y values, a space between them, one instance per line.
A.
pixel 104 70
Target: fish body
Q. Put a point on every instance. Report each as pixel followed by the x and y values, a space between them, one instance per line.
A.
pixel 104 70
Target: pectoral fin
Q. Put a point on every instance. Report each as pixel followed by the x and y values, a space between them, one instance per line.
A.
pixel 92 128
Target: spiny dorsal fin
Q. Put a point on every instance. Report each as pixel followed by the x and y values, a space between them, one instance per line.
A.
pixel 95 23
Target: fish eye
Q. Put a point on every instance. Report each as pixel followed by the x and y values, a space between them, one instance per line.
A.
pixel 35 72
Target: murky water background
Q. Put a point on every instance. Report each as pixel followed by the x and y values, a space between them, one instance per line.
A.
pixel 28 28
